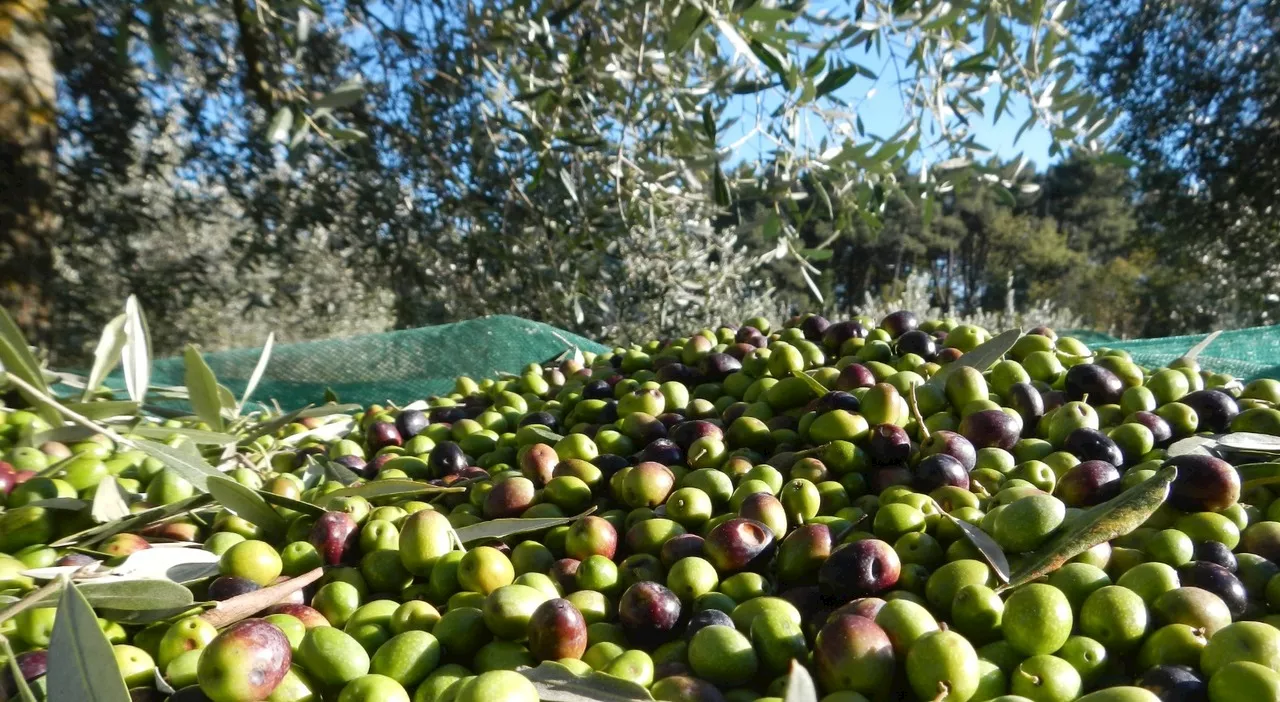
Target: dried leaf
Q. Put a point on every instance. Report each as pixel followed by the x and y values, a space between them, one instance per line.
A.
pixel 258 370
pixel 1203 344
pixel 230 611
pixel 136 353
pixel 106 356
pixel 800 687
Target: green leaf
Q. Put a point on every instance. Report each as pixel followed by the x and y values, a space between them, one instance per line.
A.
pixel 774 59
pixel 274 425
pixel 502 528
pixel 191 466
pixel 817 388
pixel 344 95
pixel 379 489
pixel 103 410
pixel 82 664
pixel 690 20
pixel 136 353
pixel 981 357
pixel 281 124
pixel 199 436
pixel 202 386
pixel 258 370
pixel 760 13
pixel 93 535
pixel 15 672
pixel 290 503
pixel 106 356
pixel 16 358
pixel 721 187
pixel 247 504
pixel 1109 520
pixel 556 683
pixel 122 595
pixel 708 122
pixel 836 79
pixel 1250 442
pixel 544 434
pixel 986 546
pixel 110 502
pixel 1254 475
pixel 63 504
pixel 800 687
pixel 817 254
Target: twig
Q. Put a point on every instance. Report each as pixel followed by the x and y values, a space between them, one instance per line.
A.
pixel 243 606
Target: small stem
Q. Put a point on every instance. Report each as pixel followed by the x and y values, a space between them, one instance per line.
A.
pixel 30 600
pixel 915 412
pixel 24 690
pixel 243 606
pixel 73 416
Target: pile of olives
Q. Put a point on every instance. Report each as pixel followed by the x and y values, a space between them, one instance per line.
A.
pixel 716 508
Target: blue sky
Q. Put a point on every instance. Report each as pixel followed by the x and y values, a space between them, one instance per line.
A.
pixel 883 114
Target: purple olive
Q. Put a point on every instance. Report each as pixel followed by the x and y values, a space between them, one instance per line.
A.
pixel 739 544
pixel 1214 408
pixel 951 444
pixel 664 451
pixel 411 422
pixel 888 444
pixel 557 630
pixel 1088 483
pixel 685 433
pixel 1219 581
pixel 679 547
pixel 1101 385
pixel 836 334
pixel 854 376
pixel 939 470
pixel 704 619
pixel 899 323
pixel 836 399
pixel 814 326
pixel 991 428
pixel 1026 400
pixel 920 343
pixel 336 536
pixel 649 613
pixel 1204 483
pixel 1217 553
pixel 510 498
pixel 679 373
pixel 446 415
pixel 546 419
pixel 381 434
pixel 715 367
pixel 860 569
pixel 1089 444
pixel 446 458
pixel 1160 429
pixel 228 586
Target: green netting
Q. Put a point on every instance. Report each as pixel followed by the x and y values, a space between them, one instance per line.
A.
pixel 404 366
pixel 399 366
pixel 1245 353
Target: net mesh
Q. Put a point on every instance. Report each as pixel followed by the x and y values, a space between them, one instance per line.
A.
pixel 404 366
pixel 398 366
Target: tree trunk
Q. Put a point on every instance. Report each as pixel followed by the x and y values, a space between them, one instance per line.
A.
pixel 28 128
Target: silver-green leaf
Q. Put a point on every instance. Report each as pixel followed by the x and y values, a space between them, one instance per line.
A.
pixel 82 664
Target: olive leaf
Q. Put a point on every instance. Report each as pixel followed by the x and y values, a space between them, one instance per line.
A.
pixel 275 424
pixel 1202 445
pixel 388 488
pixel 335 471
pixel 986 546
pixel 106 355
pixel 179 565
pixel 136 353
pixel 65 504
pixel 247 504
pixel 15 672
pixel 290 503
pixel 258 370
pixel 1109 520
pixel 981 357
pixel 1203 344
pixel 93 535
pixel 188 464
pixel 1250 442
pixel 122 596
pixel 818 389
pixel 556 683
pixel 800 687
pixel 199 436
pixel 544 434
pixel 103 410
pixel 502 528
pixel 202 386
pixel 82 664
pixel 110 501
pixel 17 360
pixel 1254 475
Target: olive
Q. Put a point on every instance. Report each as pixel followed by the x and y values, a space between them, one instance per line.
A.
pixel 854 376
pixel 739 544
pixel 918 342
pixel 649 613
pixel 939 470
pixel 446 459
pixel 1089 483
pixel 1203 484
pixel 557 630
pixel 1026 400
pixel 888 444
pixel 1160 429
pixel 1174 683
pixel 663 451
pixel 228 586
pixel 686 432
pixel 860 569
pixel 951 444
pixel 1217 553
pixel 814 326
pixel 1090 379
pixel 1089 444
pixel 991 428
pixel 837 400
pixel 336 536
pixel 899 323
pixel 1219 581
pixel 1215 409
pixel 836 334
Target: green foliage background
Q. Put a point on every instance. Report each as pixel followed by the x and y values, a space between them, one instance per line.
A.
pixel 325 168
